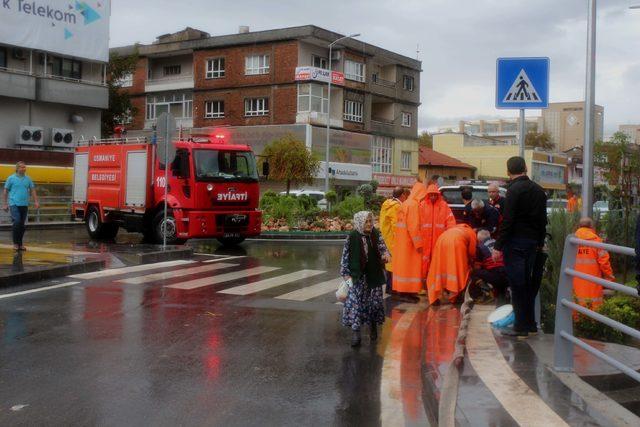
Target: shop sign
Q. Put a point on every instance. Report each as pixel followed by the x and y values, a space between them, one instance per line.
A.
pixel 319 75
pixel 387 180
pixel 346 171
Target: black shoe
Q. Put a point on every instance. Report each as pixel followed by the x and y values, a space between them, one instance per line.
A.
pixel 514 334
pixel 355 338
pixel 373 334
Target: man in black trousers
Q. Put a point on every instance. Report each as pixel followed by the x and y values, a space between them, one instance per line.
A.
pixel 520 237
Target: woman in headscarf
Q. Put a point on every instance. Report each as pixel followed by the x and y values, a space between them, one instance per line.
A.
pixel 363 259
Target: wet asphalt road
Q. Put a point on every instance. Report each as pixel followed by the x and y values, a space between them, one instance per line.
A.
pixel 175 350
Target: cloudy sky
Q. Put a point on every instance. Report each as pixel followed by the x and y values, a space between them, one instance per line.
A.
pixel 459 41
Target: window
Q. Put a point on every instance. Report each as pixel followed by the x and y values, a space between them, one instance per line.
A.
pixel 215 68
pixel 126 80
pixel 213 109
pixel 313 97
pixel 256 64
pixel 214 165
pixel 407 83
pixel 319 62
pixel 172 70
pixel 374 77
pixel 179 104
pixel 406 119
pixel 353 111
pixel 405 158
pixel 381 154
pixel 256 107
pixel 69 68
pixel 3 57
pixel 354 70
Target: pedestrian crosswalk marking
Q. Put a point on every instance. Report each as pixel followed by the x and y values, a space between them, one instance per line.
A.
pixel 227 277
pixel 312 291
pixel 175 273
pixel 522 90
pixel 272 282
pixel 46 288
pixel 133 269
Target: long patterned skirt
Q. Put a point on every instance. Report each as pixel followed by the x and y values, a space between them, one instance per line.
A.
pixel 363 306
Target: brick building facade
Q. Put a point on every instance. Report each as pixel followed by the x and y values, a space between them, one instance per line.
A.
pixel 249 80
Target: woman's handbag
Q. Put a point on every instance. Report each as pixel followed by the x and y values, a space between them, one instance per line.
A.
pixel 343 290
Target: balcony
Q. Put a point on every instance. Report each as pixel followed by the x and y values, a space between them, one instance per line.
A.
pixel 61 90
pixel 382 125
pixel 17 84
pixel 169 83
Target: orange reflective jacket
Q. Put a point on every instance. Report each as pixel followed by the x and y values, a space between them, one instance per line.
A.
pixel 407 259
pixel 594 262
pixel 450 266
pixel 388 219
pixel 436 218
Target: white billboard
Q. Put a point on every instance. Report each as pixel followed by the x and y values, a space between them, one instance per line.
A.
pixel 74 28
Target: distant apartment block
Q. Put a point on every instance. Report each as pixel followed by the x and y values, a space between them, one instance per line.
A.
pixel 632 131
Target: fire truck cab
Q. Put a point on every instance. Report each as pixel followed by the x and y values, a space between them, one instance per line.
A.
pixel 212 190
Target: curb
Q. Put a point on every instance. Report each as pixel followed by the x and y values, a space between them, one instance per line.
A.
pixel 47 272
pixel 302 235
pixel 159 256
pixel 45 225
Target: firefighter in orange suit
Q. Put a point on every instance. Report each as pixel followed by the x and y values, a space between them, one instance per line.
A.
pixel 451 263
pixel 436 218
pixel 408 245
pixel 591 261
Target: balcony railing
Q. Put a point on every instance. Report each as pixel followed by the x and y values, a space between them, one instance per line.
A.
pixel 381 120
pixel 385 83
pixel 170 83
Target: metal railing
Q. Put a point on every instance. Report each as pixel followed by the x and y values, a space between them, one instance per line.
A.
pixel 52 209
pixel 564 340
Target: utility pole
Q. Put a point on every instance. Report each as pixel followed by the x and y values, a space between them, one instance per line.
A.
pixel 589 108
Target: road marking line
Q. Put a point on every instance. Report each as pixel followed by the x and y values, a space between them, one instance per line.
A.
pixel 175 273
pixel 391 403
pixel 208 281
pixel 262 285
pixel 312 291
pixel 132 269
pixel 30 291
pixel 223 259
pixel 515 396
pixel 51 250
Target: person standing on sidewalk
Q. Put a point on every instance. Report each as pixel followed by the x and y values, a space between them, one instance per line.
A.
pixel 388 219
pixel 16 200
pixel 520 237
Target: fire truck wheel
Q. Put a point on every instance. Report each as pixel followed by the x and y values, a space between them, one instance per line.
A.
pixel 230 241
pixel 98 229
pixel 158 220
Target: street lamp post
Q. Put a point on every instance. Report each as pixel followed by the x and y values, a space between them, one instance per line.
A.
pixel 326 158
pixel 589 126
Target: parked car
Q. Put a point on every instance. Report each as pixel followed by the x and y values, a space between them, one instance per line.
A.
pixel 556 205
pixel 452 195
pixel 316 195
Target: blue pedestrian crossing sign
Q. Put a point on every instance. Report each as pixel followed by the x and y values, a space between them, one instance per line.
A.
pixel 522 83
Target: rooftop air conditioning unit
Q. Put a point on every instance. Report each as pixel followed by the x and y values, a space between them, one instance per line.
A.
pixel 18 53
pixel 62 138
pixel 30 135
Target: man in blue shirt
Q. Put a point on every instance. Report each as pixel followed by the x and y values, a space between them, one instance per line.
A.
pixel 16 200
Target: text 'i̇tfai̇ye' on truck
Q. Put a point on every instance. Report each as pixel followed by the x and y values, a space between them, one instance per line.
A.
pixel 212 189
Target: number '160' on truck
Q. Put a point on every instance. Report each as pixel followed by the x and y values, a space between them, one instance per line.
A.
pixel 212 190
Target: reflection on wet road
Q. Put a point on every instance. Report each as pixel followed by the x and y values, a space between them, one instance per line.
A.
pixel 233 337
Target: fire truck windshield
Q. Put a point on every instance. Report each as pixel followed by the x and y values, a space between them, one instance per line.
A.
pixel 221 165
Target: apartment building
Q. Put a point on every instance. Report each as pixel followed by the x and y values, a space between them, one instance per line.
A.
pixel 52 73
pixel 564 121
pixel 632 131
pixel 257 86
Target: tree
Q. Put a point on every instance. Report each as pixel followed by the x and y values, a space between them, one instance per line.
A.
pixel 425 139
pixel 120 106
pixel 539 140
pixel 290 161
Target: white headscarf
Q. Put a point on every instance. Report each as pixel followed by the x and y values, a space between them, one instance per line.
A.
pixel 359 219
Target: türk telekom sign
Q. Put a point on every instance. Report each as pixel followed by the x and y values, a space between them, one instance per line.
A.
pixel 319 75
pixel 75 28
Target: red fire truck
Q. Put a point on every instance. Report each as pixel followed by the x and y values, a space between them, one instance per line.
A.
pixel 212 189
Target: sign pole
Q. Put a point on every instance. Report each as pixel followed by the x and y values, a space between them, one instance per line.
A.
pixel 522 136
pixel 167 141
pixel 589 100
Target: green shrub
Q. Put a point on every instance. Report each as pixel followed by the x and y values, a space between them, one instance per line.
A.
pixel 331 196
pixel 622 308
pixel 349 206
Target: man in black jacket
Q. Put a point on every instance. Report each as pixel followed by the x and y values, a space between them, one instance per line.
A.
pixel 520 237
